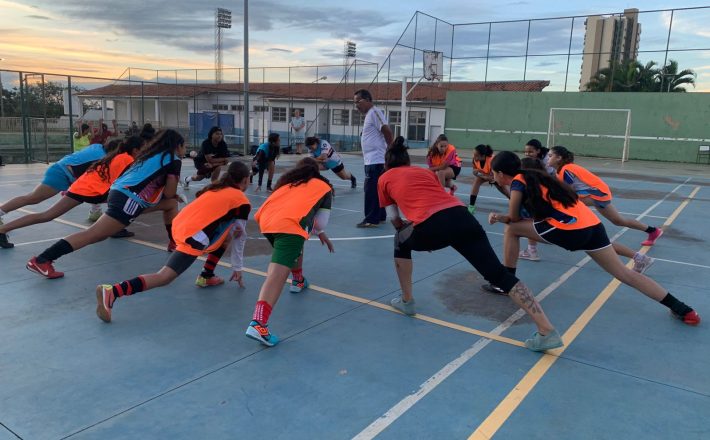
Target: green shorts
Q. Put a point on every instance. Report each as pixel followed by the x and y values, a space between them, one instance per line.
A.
pixel 287 248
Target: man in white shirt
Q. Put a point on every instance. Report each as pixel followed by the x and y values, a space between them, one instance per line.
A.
pixel 376 137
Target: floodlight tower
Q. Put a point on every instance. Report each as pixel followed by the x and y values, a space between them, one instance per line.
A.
pixel 349 51
pixel 222 20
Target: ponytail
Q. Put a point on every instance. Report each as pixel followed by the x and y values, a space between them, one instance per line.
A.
pixel 396 155
pixel 114 148
pixel 566 156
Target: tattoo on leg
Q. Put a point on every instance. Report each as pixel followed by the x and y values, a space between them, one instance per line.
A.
pixel 523 296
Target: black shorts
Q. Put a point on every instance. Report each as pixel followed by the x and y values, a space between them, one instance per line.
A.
pixel 122 208
pixel 456 170
pixel 591 238
pixel 94 200
pixel 179 262
pixel 338 169
pixel 204 171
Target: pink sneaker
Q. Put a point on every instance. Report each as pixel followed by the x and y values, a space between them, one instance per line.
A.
pixel 104 301
pixel 652 237
pixel 44 269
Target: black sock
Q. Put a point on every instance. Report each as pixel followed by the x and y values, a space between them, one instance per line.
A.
pixel 511 269
pixel 169 228
pixel 676 306
pixel 472 200
pixel 52 253
pixel 650 229
pixel 268 183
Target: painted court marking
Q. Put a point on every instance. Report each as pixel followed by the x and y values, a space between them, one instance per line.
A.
pixel 510 403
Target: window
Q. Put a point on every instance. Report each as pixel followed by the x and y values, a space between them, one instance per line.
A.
pixel 358 118
pixel 300 109
pixel 220 107
pixel 261 108
pixel 237 108
pixel 395 118
pixel 278 114
pixel 417 125
pixel 341 117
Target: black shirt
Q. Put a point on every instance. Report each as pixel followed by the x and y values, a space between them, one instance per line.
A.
pixel 220 151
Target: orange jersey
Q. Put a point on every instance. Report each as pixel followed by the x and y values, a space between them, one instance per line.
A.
pixel 578 216
pixel 486 168
pixel 91 184
pixel 450 157
pixel 287 209
pixel 584 182
pixel 208 220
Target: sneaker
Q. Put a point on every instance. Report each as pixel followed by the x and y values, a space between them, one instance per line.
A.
pixel 472 209
pixel 186 183
pixel 94 215
pixel 642 262
pixel 172 246
pixel 208 282
pixel 529 254
pixel 490 288
pixel 44 269
pixel 123 233
pixel 539 342
pixel 268 188
pixel 353 183
pixel 652 237
pixel 4 243
pixel 298 286
pixel 104 301
pixel 406 307
pixel 453 189
pixel 364 224
pixel 261 333
pixel 690 318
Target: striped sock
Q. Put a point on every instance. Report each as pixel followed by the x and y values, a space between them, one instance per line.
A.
pixel 262 312
pixel 129 287
pixel 211 263
pixel 297 274
pixel 169 228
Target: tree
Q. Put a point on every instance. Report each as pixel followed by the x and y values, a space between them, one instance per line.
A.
pixel 673 81
pixel 36 97
pixel 632 76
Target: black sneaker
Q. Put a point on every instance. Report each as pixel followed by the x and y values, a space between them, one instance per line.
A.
pixel 123 233
pixel 4 243
pixel 364 224
pixel 490 288
pixel 353 182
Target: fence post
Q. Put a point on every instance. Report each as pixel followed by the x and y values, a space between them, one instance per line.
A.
pixel 23 113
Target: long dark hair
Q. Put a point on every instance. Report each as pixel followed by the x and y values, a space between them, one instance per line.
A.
pixel 508 163
pixel 566 155
pixel 484 150
pixel 537 145
pixel 396 155
pixel 147 132
pixel 102 166
pixel 305 170
pixel 532 163
pixel 212 131
pixel 312 140
pixel 273 137
pixel 433 149
pixel 165 142
pixel 236 172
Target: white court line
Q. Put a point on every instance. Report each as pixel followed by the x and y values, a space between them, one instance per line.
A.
pixel 38 241
pixel 430 384
pixel 682 262
pixel 266 197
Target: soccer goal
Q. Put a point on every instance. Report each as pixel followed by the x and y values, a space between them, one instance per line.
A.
pixel 601 132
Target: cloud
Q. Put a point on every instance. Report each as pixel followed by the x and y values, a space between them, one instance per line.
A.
pixel 278 49
pixel 38 17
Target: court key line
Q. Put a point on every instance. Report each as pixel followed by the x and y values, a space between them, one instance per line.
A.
pixel 510 403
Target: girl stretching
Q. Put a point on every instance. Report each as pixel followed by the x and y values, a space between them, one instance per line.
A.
pixel 329 159
pixel 534 150
pixel 205 226
pixel 438 220
pixel 482 156
pixel 443 160
pixel 90 187
pixel 298 208
pixel 150 184
pixel 562 219
pixel 594 192
pixel 265 158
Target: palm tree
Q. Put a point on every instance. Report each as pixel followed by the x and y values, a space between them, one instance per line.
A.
pixel 670 80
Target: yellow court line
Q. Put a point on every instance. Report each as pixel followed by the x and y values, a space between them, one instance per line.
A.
pixel 335 293
pixel 509 404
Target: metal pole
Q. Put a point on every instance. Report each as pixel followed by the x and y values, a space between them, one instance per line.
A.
pixel 488 51
pixel 71 116
pixel 625 155
pixel 44 119
pixel 527 47
pixel 403 109
pixel 23 112
pixel 2 98
pixel 246 77
pixel 665 59
pixel 569 52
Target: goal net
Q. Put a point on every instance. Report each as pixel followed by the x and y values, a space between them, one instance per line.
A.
pixel 591 131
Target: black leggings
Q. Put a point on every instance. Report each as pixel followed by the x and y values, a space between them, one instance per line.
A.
pixel 457 228
pixel 262 166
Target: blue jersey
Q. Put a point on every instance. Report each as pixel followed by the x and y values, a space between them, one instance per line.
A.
pixel 81 160
pixel 332 157
pixel 144 181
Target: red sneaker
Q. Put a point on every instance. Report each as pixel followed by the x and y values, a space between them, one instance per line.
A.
pixel 44 269
pixel 652 237
pixel 208 282
pixel 690 318
pixel 172 246
pixel 104 301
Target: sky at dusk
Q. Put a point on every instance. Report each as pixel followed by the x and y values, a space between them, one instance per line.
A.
pixel 103 38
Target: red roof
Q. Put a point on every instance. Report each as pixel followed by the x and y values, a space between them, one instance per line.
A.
pixel 425 91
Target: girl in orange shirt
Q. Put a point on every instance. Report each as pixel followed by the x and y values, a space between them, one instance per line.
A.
pixel 298 207
pixel 443 160
pixel 207 225
pixel 594 192
pixel 561 218
pixel 482 157
pixel 91 187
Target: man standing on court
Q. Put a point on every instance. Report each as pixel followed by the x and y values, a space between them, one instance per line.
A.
pixel 376 137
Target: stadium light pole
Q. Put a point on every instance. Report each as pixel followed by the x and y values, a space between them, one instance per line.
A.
pixel 2 94
pixel 246 77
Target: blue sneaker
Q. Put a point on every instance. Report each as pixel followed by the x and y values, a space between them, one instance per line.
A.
pixel 406 307
pixel 539 342
pixel 261 333
pixel 298 286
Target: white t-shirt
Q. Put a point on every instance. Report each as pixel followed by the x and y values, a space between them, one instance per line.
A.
pixel 373 141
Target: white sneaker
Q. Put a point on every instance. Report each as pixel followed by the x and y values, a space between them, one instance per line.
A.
pixel 186 183
pixel 642 262
pixel 529 254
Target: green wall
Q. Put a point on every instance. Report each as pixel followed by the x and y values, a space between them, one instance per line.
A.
pixel 515 117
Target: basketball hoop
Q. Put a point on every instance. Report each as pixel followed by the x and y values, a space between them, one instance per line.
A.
pixel 433 65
